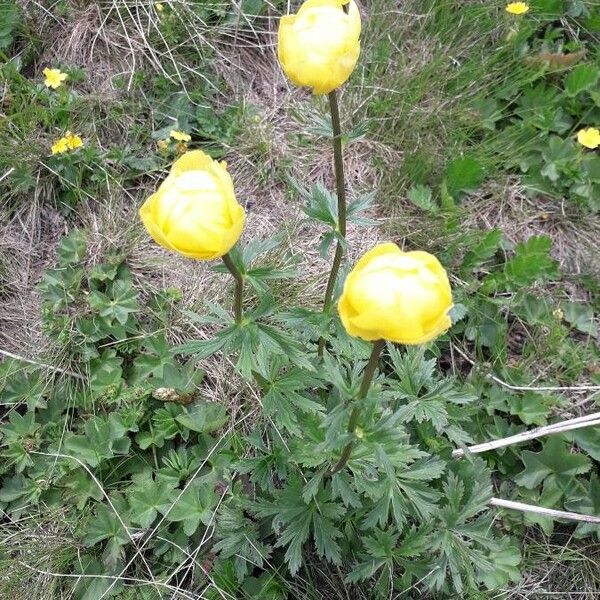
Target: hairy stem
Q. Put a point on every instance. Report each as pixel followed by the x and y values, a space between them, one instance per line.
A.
pixel 239 287
pixel 341 205
pixel 364 388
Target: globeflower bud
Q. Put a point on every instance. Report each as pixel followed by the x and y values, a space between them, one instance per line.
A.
pixel 318 47
pixel 194 211
pixel 402 297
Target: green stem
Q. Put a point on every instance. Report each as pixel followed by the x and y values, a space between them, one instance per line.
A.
pixel 341 205
pixel 364 388
pixel 239 287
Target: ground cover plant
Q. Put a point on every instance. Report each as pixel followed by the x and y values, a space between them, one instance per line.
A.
pixel 379 276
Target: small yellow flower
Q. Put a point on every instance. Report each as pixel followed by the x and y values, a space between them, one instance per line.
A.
pixel 590 137
pixel 558 314
pixel 180 136
pixel 54 77
pixel 73 141
pixel 163 145
pixel 517 8
pixel 399 296
pixel 60 146
pixel 182 147
pixel 159 7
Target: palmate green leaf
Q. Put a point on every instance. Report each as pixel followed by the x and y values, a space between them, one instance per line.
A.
pixel 239 538
pixel 532 262
pixel 278 341
pixel 359 206
pixel 421 197
pixel 147 498
pixel 18 428
pixel 106 371
pixel 102 439
pixel 203 417
pixel 164 427
pixel 581 78
pixel 580 316
pixel 405 494
pixel 322 206
pixel 483 251
pixel 256 275
pixel 118 305
pixel 464 175
pixel 285 395
pixel 293 519
pixel 505 565
pixel 81 488
pixel 196 505
pixel 587 504
pixel 105 526
pixel 205 348
pixel 21 383
pixel 555 460
pixel 341 488
pixel 72 247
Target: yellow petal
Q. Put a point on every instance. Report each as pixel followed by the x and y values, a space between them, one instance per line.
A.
pixel 195 160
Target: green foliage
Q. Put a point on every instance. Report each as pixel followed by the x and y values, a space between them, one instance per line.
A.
pixel 9 19
pixel 229 492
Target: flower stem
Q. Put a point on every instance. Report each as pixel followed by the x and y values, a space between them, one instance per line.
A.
pixel 341 205
pixel 239 287
pixel 364 388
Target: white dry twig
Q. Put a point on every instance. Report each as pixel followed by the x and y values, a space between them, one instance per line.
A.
pixel 41 364
pixel 547 512
pixel 560 427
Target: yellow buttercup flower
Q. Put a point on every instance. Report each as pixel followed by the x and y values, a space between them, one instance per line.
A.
pixel 60 146
pixel 54 77
pixel 180 136
pixel 590 137
pixel 318 47
pixel 73 141
pixel 194 211
pixel 69 141
pixel 517 8
pixel 399 296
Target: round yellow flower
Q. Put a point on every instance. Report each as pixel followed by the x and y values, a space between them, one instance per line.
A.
pixel 399 296
pixel 517 8
pixel 54 77
pixel 180 136
pixel 318 47
pixel 194 211
pixel 590 137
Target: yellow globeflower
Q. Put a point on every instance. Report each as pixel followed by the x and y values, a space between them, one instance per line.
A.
pixel 590 137
pixel 318 47
pixel 399 296
pixel 54 77
pixel 517 8
pixel 194 211
pixel 180 136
